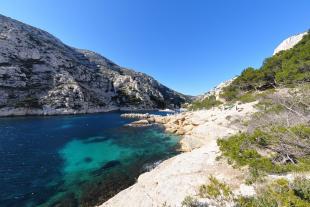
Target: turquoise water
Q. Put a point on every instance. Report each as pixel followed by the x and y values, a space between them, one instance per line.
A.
pixel 75 160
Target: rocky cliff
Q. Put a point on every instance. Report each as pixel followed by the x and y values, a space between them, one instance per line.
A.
pixel 41 75
pixel 289 42
pixel 215 91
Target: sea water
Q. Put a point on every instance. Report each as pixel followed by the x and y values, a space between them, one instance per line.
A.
pixel 79 160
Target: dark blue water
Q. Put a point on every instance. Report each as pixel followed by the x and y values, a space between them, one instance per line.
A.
pixel 79 160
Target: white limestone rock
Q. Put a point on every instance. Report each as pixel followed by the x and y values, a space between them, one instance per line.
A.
pixel 39 72
pixel 289 42
pixel 216 91
pixel 180 176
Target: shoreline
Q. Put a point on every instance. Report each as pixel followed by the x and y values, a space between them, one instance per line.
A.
pixel 181 175
pixel 185 172
pixel 20 112
pixel 113 144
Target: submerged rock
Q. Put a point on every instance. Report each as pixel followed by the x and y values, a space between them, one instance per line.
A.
pixel 107 166
pixel 88 159
pixel 111 164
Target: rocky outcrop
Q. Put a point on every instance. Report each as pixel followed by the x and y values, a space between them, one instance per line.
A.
pixel 289 42
pixel 216 91
pixel 139 123
pixel 41 75
pixel 174 179
pixel 194 126
pixel 137 115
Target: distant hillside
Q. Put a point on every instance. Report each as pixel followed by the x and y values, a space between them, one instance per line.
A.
pixel 41 75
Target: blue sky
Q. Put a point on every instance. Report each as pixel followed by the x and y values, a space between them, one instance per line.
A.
pixel 188 45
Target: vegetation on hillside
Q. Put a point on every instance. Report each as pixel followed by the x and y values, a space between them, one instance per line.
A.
pixel 286 68
pixel 206 103
pixel 218 193
pixel 281 150
pixel 215 190
pixel 277 139
pixel 280 193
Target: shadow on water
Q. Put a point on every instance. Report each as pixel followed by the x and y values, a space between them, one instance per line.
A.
pixel 106 166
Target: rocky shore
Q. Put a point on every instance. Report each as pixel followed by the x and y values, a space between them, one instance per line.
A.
pixel 47 111
pixel 194 126
pixel 11 111
pixel 172 180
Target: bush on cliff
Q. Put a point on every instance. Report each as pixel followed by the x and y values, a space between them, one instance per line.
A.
pixel 206 103
pixel 286 68
pixel 276 151
pixel 280 193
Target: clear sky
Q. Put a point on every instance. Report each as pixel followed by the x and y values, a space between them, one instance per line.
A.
pixel 188 45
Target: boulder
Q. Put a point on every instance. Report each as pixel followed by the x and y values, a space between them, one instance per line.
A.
pixel 196 122
pixel 171 130
pixel 139 123
pixel 159 120
pixel 180 122
pixel 188 128
pixel 180 131
pixel 151 119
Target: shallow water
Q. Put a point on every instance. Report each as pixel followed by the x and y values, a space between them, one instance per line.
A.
pixel 79 160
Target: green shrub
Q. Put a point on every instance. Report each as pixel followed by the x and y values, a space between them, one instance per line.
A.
pixel 206 103
pixel 230 93
pixel 249 79
pixel 247 97
pixel 189 201
pixel 242 149
pixel 279 193
pixel 215 189
pixel 255 175
pixel 301 188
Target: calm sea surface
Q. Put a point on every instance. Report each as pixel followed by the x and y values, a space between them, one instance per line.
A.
pixel 79 160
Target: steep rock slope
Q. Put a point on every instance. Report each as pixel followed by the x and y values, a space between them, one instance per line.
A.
pixel 289 42
pixel 41 75
pixel 216 91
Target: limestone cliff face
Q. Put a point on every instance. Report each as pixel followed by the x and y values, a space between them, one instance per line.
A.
pixel 289 42
pixel 216 91
pixel 41 75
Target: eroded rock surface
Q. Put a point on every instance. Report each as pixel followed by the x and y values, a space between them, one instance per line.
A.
pixel 41 75
pixel 289 42
pixel 174 179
